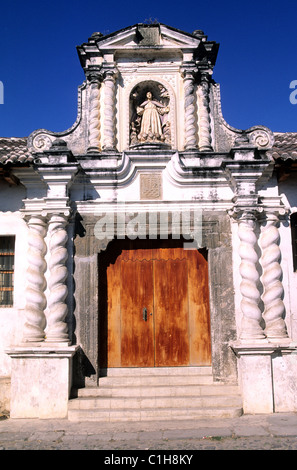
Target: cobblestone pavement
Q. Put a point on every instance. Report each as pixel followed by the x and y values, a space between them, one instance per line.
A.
pixel 259 432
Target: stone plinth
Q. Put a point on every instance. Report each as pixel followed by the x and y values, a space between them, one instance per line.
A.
pixel 41 378
pixel 267 377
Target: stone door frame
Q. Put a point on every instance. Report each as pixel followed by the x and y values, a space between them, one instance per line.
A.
pixel 216 238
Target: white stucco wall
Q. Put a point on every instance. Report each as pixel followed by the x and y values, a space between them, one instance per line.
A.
pixel 287 190
pixel 12 318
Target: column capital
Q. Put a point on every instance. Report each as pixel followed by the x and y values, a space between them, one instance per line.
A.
pixel 245 212
pixel 109 71
pixel 34 217
pixel 94 74
pixel 59 216
pixel 47 212
pixel 276 212
pixel 205 76
pixel 188 71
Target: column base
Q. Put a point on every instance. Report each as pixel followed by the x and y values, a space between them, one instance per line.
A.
pixel 267 376
pixel 93 150
pixel 41 379
pixel 205 149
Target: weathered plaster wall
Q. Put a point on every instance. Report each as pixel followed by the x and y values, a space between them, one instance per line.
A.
pixel 287 189
pixel 12 318
pixel 223 323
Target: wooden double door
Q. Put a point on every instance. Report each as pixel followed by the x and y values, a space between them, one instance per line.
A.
pixel 157 307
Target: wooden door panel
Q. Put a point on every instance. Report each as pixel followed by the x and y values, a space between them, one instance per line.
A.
pixel 169 253
pixel 139 254
pixel 200 342
pixel 137 335
pixel 172 283
pixel 114 314
pixel 171 313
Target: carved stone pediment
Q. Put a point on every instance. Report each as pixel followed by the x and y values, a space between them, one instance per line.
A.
pixel 147 35
pixel 149 87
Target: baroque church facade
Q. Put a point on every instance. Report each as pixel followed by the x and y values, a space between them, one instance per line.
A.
pixel 150 236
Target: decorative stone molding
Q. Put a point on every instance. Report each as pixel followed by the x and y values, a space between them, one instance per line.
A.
pixel 41 140
pixel 56 325
pixel 94 78
pixel 216 238
pixel 261 137
pixel 109 109
pixel 204 131
pixel 272 274
pixel 35 297
pixel 189 106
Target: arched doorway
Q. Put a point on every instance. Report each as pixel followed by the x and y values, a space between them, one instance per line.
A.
pixel 154 305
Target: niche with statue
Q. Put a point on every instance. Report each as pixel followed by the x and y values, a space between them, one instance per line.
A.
pixel 149 115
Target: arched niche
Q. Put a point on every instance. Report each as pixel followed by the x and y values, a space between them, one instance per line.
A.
pixel 150 115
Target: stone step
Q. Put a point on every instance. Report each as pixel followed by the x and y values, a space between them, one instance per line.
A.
pixel 153 414
pixel 154 402
pixel 158 390
pixel 156 376
pixel 155 394
pixel 155 371
pixel 154 380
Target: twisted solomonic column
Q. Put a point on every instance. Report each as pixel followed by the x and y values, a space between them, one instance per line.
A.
pixel 35 320
pixel 249 287
pixel 274 308
pixel 190 128
pixel 94 112
pixel 204 130
pixel 109 110
pixel 57 328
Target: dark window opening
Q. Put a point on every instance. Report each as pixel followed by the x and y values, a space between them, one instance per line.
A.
pixel 7 244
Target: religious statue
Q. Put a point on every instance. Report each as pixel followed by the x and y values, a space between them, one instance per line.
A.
pixel 149 125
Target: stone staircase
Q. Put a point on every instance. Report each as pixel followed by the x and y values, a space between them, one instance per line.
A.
pixel 175 393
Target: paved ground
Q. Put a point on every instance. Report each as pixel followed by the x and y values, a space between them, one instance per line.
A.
pixel 260 432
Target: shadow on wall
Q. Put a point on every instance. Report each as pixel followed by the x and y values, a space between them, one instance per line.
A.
pixel 11 196
pixel 81 369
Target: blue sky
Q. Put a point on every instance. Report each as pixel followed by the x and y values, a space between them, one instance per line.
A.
pixel 40 70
